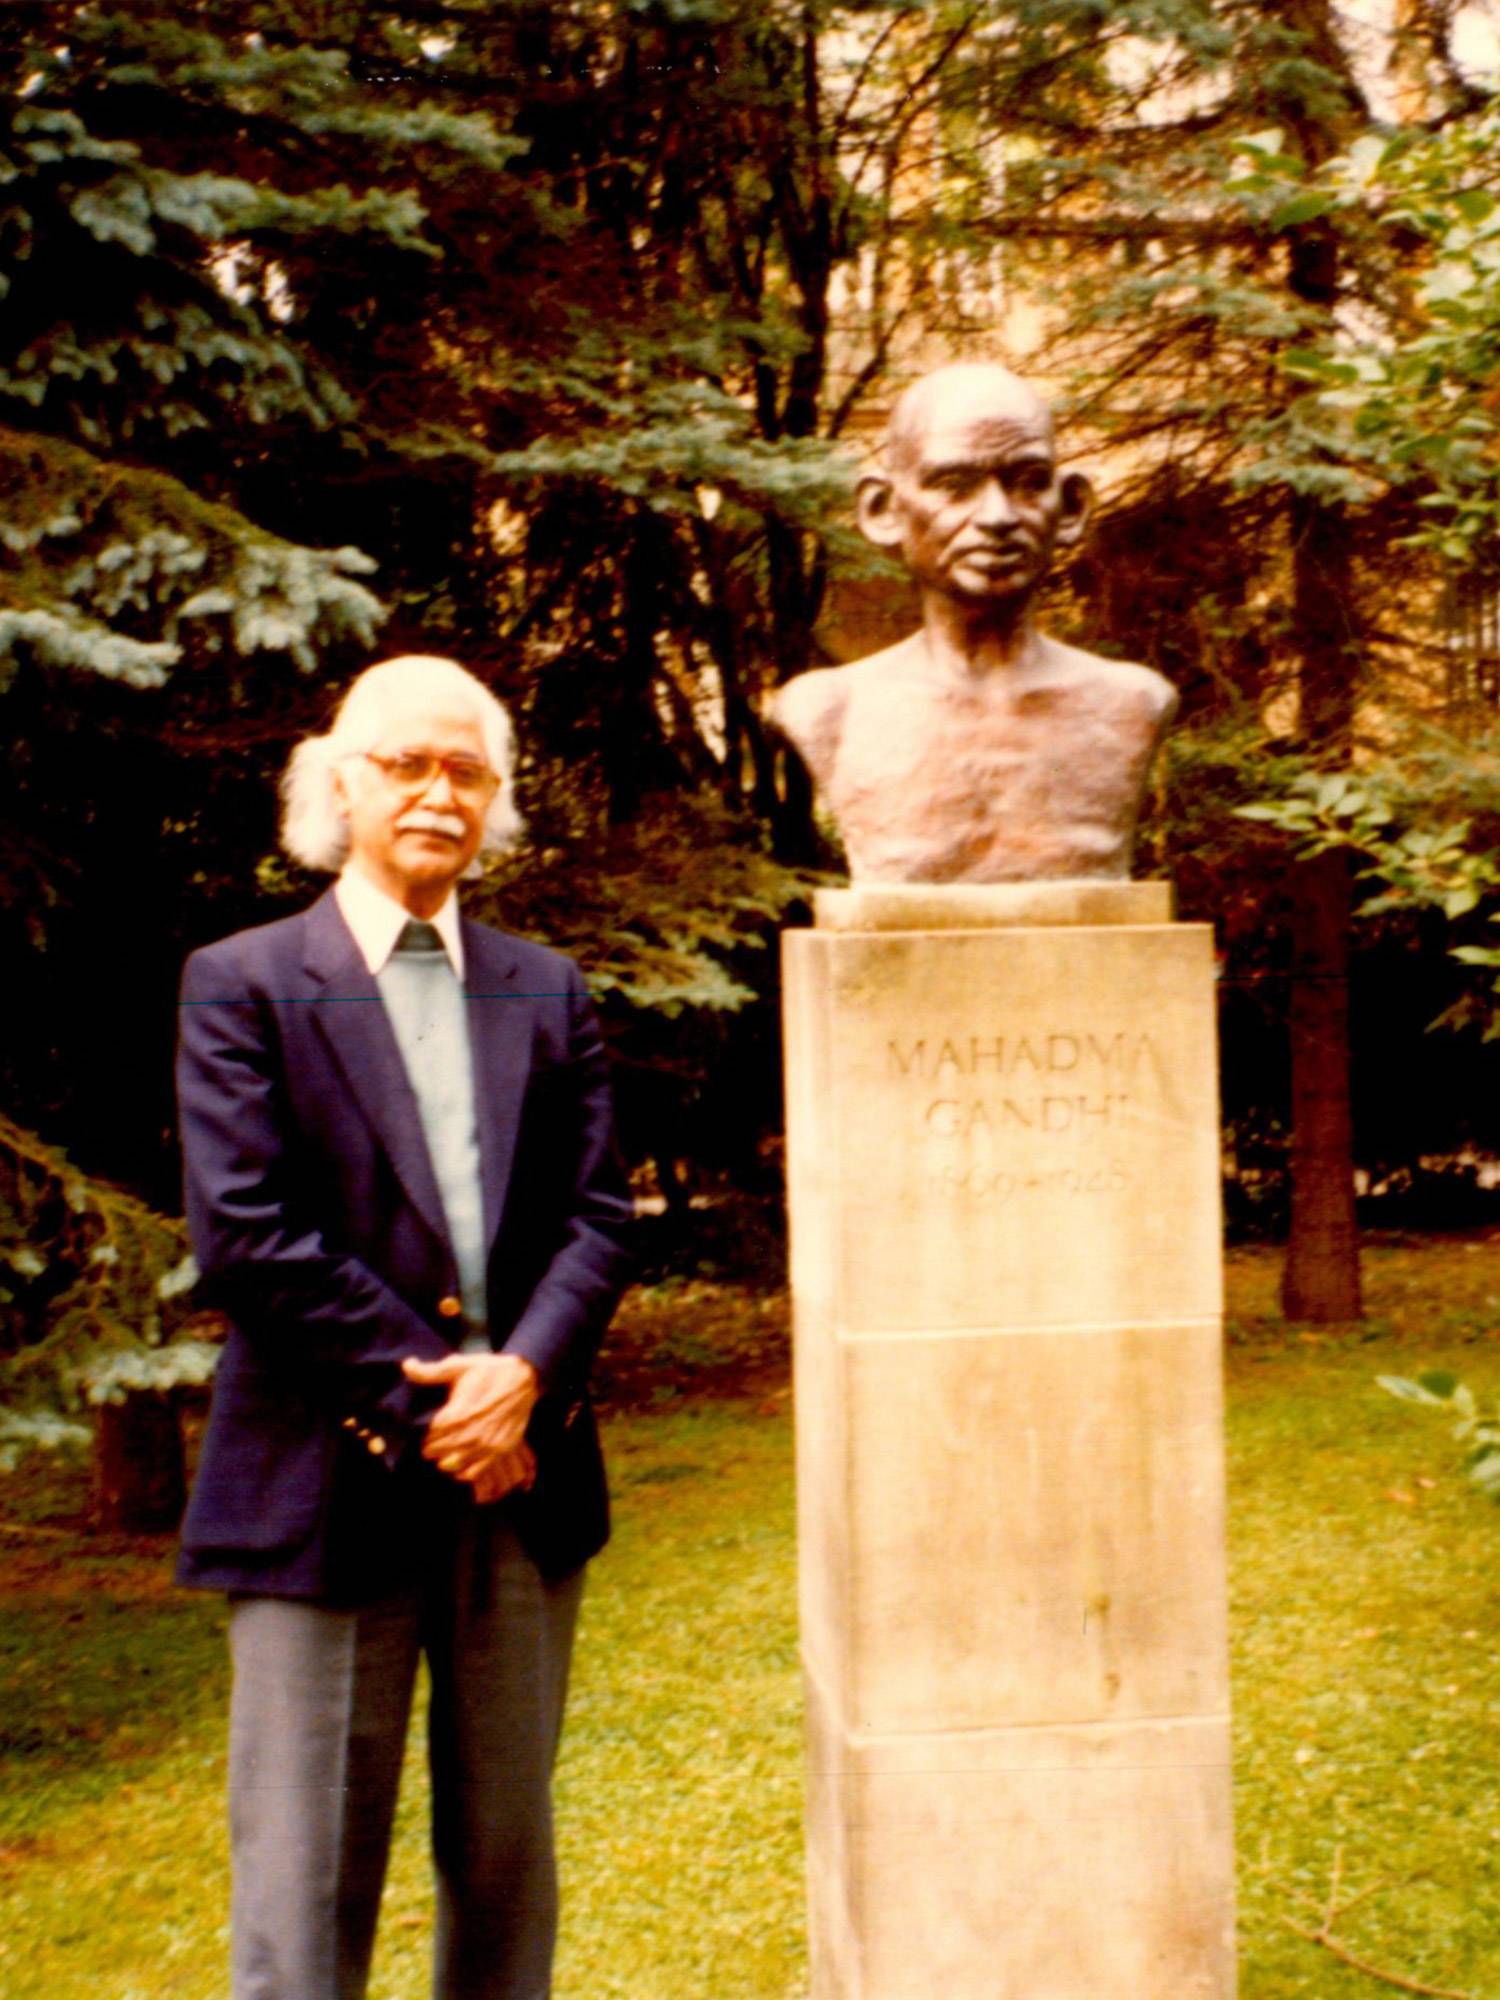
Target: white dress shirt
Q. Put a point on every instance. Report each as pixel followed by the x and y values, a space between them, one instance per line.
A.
pixel 377 920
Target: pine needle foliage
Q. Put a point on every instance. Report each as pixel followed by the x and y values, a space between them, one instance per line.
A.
pixel 89 1276
pixel 668 915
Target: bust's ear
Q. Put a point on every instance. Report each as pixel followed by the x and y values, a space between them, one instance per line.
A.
pixel 875 511
pixel 1077 505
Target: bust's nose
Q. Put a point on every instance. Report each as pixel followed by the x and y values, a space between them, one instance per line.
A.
pixel 992 505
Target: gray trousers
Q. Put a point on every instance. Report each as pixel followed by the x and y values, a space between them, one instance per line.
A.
pixel 318 1723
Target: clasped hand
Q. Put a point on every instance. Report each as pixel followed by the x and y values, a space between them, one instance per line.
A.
pixel 479 1433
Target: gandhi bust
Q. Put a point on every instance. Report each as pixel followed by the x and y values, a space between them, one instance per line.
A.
pixel 978 749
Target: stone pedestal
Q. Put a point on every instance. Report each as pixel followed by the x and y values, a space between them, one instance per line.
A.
pixel 1004 1171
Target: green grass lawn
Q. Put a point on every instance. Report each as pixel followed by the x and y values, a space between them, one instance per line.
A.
pixel 1367 1694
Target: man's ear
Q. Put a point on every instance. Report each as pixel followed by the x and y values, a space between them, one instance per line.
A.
pixel 1077 505
pixel 875 511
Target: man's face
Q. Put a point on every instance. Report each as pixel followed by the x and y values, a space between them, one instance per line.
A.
pixel 975 491
pixel 414 839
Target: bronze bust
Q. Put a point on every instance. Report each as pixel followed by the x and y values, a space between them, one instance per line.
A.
pixel 978 749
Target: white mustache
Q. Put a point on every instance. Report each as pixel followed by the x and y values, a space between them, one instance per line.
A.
pixel 423 819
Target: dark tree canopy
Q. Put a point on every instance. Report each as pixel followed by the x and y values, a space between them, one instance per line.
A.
pixel 544 334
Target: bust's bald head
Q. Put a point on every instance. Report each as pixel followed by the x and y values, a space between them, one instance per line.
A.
pixel 968 490
pixel 963 389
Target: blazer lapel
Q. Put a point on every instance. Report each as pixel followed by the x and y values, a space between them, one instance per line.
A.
pixel 502 1022
pixel 350 1014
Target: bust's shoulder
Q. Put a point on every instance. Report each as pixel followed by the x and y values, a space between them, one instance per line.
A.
pixel 1128 680
pixel 824 693
pixel 807 700
pixel 808 711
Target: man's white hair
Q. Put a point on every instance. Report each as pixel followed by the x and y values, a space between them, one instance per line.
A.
pixel 314 825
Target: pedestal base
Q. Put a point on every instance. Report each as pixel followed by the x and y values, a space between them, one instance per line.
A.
pixel 1003 1167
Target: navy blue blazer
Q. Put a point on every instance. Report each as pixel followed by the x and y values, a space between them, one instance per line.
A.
pixel 318 1230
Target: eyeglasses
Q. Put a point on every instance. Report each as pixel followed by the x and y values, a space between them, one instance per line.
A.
pixel 414 771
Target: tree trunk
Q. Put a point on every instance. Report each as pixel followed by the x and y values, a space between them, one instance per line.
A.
pixel 1321 1278
pixel 140 1472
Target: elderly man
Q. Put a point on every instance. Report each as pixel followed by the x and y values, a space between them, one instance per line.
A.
pixel 978 749
pixel 402 1191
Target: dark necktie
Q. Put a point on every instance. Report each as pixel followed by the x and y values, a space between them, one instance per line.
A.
pixel 428 1014
pixel 418 937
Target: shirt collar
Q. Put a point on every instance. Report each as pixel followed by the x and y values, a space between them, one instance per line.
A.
pixel 377 920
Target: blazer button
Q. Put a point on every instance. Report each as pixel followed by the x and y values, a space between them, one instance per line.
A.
pixel 376 1445
pixel 450 1305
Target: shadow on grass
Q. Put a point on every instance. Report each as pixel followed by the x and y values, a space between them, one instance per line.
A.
pixel 102 1665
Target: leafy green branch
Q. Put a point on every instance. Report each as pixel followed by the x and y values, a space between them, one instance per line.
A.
pixel 1405 386
pixel 1451 865
pixel 1442 866
pixel 1476 1431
